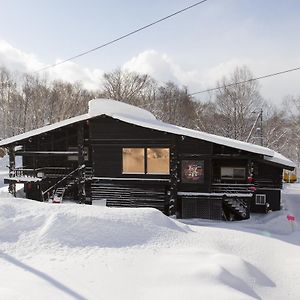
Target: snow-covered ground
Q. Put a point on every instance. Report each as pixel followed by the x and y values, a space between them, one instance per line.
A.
pixel 70 251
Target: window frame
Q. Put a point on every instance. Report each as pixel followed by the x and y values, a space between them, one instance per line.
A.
pixel 132 173
pixel 233 168
pixel 260 199
pixel 145 160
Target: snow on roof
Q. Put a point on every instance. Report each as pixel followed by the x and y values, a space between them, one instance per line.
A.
pixel 44 129
pixel 111 107
pixel 280 159
pixel 161 126
pixel 140 117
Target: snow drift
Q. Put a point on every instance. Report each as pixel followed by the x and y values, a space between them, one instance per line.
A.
pixel 70 251
pixel 83 226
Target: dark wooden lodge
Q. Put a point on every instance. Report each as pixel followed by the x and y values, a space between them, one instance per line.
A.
pixel 122 154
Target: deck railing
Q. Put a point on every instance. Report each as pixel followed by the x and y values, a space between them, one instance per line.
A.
pixel 234 188
pixel 39 172
pixel 60 183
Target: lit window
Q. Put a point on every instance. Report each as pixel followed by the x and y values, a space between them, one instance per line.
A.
pixel 158 161
pixel 233 173
pixel 260 199
pixel 133 160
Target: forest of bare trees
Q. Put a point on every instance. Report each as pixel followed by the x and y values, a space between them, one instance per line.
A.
pixel 28 102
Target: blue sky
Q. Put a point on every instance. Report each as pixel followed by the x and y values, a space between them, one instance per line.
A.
pixel 195 48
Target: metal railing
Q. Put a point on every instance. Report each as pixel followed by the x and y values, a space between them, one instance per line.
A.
pixel 232 188
pixel 38 172
pixel 60 182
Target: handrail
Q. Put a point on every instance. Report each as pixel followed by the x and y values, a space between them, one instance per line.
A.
pixel 232 189
pixel 62 180
pixel 39 169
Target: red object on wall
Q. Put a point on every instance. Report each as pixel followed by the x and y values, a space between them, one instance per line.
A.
pixel 250 179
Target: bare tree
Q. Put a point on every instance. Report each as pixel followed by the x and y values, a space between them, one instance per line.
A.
pixel 175 105
pixel 129 87
pixel 276 129
pixel 67 100
pixel 291 107
pixel 35 94
pixel 235 103
pixel 205 116
pixel 10 102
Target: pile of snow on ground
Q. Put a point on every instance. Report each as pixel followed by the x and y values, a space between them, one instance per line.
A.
pixel 82 226
pixel 70 251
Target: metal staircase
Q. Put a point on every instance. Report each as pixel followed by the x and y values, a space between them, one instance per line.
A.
pixel 56 192
pixel 237 206
pixel 57 197
pixel 88 173
pixel 236 199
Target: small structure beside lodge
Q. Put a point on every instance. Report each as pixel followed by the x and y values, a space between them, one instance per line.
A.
pixel 123 154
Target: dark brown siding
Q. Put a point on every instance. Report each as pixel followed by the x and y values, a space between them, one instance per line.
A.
pixel 106 128
pixel 107 160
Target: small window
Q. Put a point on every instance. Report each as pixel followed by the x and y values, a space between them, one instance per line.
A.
pixel 260 199
pixel 158 160
pixel 233 173
pixel 134 160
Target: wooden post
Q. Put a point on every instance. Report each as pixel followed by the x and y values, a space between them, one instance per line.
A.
pixel 12 166
pixel 211 173
pixel 173 179
pixel 81 177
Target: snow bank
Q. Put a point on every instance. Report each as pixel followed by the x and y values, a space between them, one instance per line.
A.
pixel 3 169
pixel 104 227
pixel 73 225
pixel 69 251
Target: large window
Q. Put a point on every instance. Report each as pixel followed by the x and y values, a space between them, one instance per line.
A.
pixel 233 173
pixel 146 161
pixel 133 160
pixel 158 161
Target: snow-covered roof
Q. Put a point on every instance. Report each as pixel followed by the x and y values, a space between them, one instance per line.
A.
pixel 140 117
pixel 38 131
pixel 278 158
pixel 111 108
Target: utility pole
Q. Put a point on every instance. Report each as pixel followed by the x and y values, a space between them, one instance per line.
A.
pixel 261 128
pixel 259 117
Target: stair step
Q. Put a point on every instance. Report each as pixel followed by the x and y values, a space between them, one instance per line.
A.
pixel 237 206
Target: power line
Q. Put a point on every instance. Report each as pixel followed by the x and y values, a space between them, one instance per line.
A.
pixel 122 37
pixel 245 81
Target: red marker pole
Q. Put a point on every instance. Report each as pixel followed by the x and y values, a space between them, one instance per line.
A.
pixel 291 219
